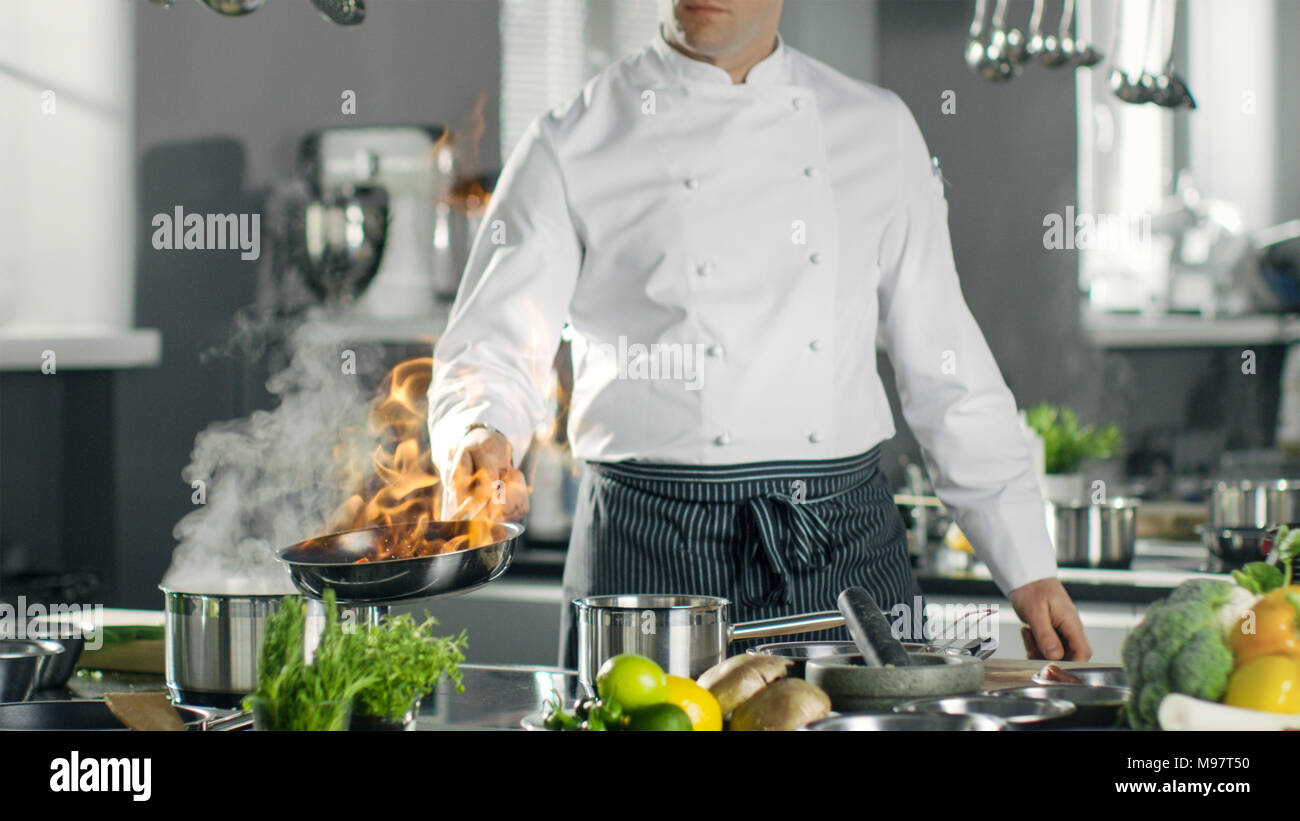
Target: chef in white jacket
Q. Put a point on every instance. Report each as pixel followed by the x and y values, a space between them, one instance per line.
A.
pixel 726 226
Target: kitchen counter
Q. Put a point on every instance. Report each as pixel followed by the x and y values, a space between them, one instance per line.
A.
pixel 1157 568
pixel 498 697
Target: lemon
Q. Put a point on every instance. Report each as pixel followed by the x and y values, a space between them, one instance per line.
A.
pixel 699 704
pixel 1269 683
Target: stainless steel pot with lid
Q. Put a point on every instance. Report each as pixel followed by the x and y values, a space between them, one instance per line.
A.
pixel 685 635
pixel 1090 535
pixel 1259 503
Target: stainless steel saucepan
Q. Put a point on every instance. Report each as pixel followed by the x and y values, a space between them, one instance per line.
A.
pixel 686 635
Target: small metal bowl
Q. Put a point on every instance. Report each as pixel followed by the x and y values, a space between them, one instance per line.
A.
pixel 22 662
pixel 1089 677
pixel 1097 706
pixel 70 631
pixel 908 722
pixel 1018 713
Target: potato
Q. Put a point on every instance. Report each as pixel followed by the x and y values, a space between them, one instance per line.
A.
pixel 787 704
pixel 733 681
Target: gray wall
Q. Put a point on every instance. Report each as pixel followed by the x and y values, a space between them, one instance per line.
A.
pixel 221 105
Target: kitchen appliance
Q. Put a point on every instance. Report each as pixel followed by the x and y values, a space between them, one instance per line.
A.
pixel 852 686
pixel 686 635
pixel 1020 713
pixel 336 240
pixel 458 216
pixel 332 562
pixel 76 715
pixel 1099 536
pixel 22 663
pixel 413 167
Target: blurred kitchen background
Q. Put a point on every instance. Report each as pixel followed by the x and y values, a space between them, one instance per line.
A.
pixel 120 110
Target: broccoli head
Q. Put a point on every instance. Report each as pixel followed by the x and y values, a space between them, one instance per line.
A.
pixel 1179 647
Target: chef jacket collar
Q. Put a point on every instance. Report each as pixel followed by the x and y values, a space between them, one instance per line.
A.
pixel 770 70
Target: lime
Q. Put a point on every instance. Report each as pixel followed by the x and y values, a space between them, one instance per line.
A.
pixel 659 718
pixel 632 681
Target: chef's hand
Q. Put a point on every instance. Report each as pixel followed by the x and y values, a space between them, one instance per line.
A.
pixel 1054 627
pixel 485 483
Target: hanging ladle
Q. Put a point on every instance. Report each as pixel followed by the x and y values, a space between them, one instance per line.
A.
pixel 1045 48
pixel 1127 86
pixel 1082 54
pixel 1170 89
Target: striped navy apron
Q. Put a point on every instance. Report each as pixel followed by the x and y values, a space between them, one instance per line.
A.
pixel 774 538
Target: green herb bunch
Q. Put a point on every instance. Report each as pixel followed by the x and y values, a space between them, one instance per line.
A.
pixel 294 695
pixel 1066 442
pixel 404 661
pixel 378 671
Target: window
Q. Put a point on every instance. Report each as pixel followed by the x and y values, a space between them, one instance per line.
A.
pixel 550 48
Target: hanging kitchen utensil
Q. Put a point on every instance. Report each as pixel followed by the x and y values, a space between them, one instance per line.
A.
pixel 1083 54
pixel 1044 47
pixel 1133 88
pixel 347 563
pixel 870 630
pixel 1006 48
pixel 342 12
pixel 1170 88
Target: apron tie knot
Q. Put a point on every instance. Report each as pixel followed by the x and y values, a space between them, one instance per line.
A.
pixel 765 575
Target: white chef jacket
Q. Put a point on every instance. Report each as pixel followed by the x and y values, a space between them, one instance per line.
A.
pixel 761 235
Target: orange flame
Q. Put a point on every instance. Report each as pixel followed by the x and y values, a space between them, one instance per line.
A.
pixel 401 490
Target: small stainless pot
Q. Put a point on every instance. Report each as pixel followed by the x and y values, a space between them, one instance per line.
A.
pixel 686 635
pixel 1254 503
pixel 212 645
pixel 1093 535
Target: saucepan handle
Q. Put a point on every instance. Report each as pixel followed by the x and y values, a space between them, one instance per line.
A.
pixel 785 625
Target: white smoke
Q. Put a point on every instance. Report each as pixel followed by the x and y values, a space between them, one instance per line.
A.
pixel 274 478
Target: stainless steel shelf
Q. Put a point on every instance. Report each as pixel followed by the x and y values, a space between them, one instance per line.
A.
pixel 1173 331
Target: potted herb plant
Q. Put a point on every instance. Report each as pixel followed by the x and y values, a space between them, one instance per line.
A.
pixel 293 694
pixel 1067 444
pixel 404 661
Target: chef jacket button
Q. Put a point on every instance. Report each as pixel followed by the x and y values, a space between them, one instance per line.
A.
pixel 810 172
pixel 692 183
pixel 705 269
pixel 724 439
pixel 815 345
pixel 717 351
pixel 814 437
pixel 797 102
pixel 815 258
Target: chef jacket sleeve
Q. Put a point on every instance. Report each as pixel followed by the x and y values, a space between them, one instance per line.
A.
pixel 493 363
pixel 953 395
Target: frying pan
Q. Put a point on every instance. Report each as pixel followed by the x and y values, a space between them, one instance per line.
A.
pixel 330 562
pixel 75 715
